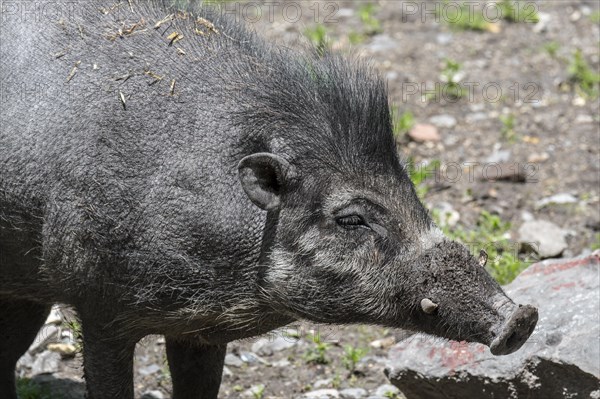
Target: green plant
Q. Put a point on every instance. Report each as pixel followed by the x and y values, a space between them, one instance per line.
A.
pixel 258 392
pixel 336 381
pixel 552 48
pixel 449 74
pixel 391 395
pixel 596 243
pixel 351 356
pixel 317 354
pixel 582 75
pixel 318 37
pixel 490 234
pixel 595 17
pixel 463 17
pixel 418 175
pixel 515 11
pixel 29 389
pixel 402 123
pixel 508 127
pixel 366 13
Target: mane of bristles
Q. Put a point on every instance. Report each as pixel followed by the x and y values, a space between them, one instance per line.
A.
pixel 329 109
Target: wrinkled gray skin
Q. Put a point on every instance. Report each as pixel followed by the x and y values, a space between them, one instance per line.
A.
pixel 261 188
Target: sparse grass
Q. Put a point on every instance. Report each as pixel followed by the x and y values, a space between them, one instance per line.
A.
pixel 28 389
pixel 371 24
pixel 75 326
pixel 352 356
pixel 464 18
pixel 552 48
pixel 508 128
pixel 318 37
pixel 258 392
pixel 595 17
pixel 418 175
pixel 402 123
pixel 490 234
pixel 596 243
pixel 449 76
pixel 582 75
pixel 318 353
pixel 515 11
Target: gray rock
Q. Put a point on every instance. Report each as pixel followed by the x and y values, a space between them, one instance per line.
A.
pixel 150 369
pixel 498 156
pixel 252 358
pixel 268 346
pixel 444 121
pixel 560 360
pixel 322 383
pixel 322 394
pixel 476 117
pixel 254 392
pixel 545 238
pixel 45 363
pixel 558 199
pixel 152 395
pixel 448 215
pixel 233 361
pixel 443 38
pixel 48 333
pixel 353 393
pixel 382 43
pixel 281 363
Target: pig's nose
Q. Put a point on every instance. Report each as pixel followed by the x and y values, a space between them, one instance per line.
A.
pixel 515 331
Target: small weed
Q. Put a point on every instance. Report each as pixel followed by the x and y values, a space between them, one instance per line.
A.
pixel 490 233
pixel 508 127
pixel 464 18
pixel 515 11
pixel 449 75
pixel 258 392
pixel 418 175
pixel 318 353
pixel 318 37
pixel 582 75
pixel 75 326
pixel 596 243
pixel 402 123
pixel 351 356
pixel 238 388
pixel 552 48
pixel 356 38
pixel 595 17
pixel 391 395
pixel 366 13
pixel 28 389
pixel 336 381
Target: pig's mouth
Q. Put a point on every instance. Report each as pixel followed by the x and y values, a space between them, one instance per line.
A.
pixel 514 332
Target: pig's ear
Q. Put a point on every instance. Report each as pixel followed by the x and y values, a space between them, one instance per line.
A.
pixel 264 176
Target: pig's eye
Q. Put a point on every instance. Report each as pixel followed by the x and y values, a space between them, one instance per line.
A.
pixel 351 222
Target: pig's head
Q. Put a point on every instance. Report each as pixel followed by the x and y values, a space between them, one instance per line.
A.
pixel 347 239
pixel 342 252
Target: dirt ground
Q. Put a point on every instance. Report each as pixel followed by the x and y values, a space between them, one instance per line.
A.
pixel 519 69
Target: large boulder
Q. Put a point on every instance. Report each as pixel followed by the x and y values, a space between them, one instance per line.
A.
pixel 560 360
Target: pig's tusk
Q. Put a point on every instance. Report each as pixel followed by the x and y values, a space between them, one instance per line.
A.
pixel 483 257
pixel 428 306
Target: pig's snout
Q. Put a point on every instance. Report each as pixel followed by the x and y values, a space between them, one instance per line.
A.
pixel 515 331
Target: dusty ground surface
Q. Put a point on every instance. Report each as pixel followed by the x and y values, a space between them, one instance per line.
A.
pixel 555 137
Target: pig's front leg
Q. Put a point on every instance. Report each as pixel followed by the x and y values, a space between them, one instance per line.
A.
pixel 107 359
pixel 196 369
